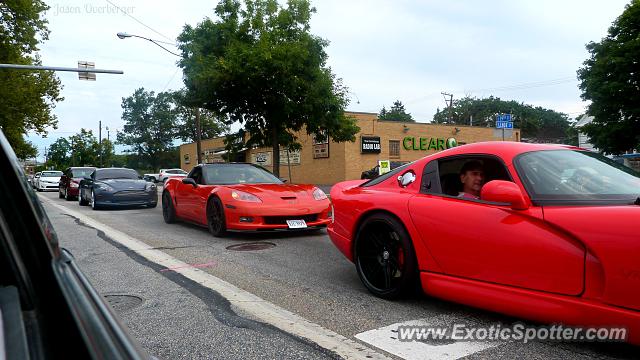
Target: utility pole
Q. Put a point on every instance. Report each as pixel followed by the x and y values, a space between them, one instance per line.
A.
pixel 198 136
pixel 449 104
pixel 100 141
pixel 470 120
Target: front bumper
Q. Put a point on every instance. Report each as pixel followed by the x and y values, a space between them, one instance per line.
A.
pixel 126 198
pixel 48 186
pixel 265 218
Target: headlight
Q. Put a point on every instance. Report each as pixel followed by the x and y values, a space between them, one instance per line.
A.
pixel 150 187
pixel 318 194
pixel 103 187
pixel 73 184
pixel 244 196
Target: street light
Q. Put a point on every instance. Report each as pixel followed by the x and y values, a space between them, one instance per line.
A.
pixel 124 35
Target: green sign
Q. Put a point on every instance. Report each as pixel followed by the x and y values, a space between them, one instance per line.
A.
pixel 412 143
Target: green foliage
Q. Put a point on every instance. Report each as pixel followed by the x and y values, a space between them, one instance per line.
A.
pixel 186 130
pixel 536 123
pixel 260 65
pixel 150 122
pixel 611 81
pixel 395 113
pixel 26 97
pixel 58 155
pixel 83 149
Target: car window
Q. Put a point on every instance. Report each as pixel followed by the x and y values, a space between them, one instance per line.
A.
pixel 51 173
pixel 226 174
pixel 196 175
pixel 567 175
pixel 450 180
pixel 104 174
pixel 78 173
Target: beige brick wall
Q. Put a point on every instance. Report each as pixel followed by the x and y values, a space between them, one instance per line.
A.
pixel 345 162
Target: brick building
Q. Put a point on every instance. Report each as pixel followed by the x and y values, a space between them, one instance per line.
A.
pixel 322 161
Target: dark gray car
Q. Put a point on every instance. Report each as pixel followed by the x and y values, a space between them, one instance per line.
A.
pixel 111 187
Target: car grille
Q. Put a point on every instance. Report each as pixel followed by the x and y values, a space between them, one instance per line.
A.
pixel 130 195
pixel 282 220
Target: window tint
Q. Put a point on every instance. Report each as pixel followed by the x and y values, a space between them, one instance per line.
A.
pixel 576 175
pixel 104 174
pixel 237 174
pixel 51 173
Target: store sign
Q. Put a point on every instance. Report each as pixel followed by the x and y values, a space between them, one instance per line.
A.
pixel 384 166
pixel 261 158
pixel 413 143
pixel 321 145
pixel 370 144
pixel 293 157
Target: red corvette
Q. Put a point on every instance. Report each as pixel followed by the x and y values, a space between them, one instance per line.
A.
pixel 543 232
pixel 243 197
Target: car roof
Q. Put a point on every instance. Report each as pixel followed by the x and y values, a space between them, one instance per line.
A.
pixel 504 149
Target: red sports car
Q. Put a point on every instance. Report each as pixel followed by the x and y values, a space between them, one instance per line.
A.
pixel 243 197
pixel 543 232
pixel 70 181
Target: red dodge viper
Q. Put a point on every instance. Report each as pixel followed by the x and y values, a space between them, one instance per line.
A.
pixel 551 235
pixel 243 197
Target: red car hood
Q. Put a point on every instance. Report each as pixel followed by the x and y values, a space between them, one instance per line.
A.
pixel 610 233
pixel 274 191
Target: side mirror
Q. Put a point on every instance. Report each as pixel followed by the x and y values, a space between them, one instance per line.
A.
pixel 189 181
pixel 407 178
pixel 504 192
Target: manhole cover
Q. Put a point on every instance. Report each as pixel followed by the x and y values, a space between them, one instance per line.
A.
pixel 122 303
pixel 252 246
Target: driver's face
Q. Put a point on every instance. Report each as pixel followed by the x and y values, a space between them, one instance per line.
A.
pixel 472 181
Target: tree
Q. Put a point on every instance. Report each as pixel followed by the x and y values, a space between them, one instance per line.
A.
pixel 149 125
pixel 535 123
pixel 186 129
pixel 58 156
pixel 258 64
pixel 84 146
pixel 26 98
pixel 611 81
pixel 395 113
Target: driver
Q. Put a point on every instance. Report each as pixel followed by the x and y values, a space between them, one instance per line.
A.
pixel 472 179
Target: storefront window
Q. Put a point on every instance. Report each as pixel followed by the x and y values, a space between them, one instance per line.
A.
pixel 394 148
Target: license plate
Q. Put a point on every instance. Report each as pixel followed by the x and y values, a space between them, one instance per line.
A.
pixel 296 224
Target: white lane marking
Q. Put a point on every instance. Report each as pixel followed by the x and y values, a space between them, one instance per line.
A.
pixel 386 338
pixel 244 300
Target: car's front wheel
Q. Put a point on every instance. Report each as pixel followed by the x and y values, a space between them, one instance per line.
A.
pixel 60 193
pixel 66 195
pixel 215 217
pixel 92 202
pixel 385 258
pixel 168 211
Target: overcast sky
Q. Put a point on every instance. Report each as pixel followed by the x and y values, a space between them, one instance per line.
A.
pixel 527 51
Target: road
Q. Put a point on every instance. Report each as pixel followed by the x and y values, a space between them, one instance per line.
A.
pixel 185 294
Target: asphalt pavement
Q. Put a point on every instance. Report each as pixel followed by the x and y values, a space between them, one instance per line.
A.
pixel 174 316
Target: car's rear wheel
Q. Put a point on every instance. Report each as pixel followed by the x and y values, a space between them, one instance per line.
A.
pixel 66 195
pixel 215 217
pixel 385 258
pixel 60 194
pixel 168 211
pixel 81 200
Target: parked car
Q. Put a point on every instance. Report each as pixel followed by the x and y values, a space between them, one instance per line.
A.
pixel 374 172
pixel 34 180
pixel 533 245
pixel 167 173
pixel 117 187
pixel 243 197
pixel 70 181
pixel 48 308
pixel 48 180
pixel 153 177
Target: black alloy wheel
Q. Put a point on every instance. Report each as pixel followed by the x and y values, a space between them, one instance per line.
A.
pixel 215 217
pixel 81 200
pixel 168 211
pixel 385 258
pixel 92 202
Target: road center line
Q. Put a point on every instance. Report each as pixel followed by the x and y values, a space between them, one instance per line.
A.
pixel 241 299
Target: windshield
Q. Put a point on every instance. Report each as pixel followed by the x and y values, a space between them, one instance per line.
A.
pixel 576 175
pixel 79 173
pixel 51 174
pixel 238 174
pixel 103 174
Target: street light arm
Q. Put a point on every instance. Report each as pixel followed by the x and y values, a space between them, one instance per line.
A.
pixel 125 35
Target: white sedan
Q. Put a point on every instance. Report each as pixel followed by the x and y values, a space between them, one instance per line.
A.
pixel 48 180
